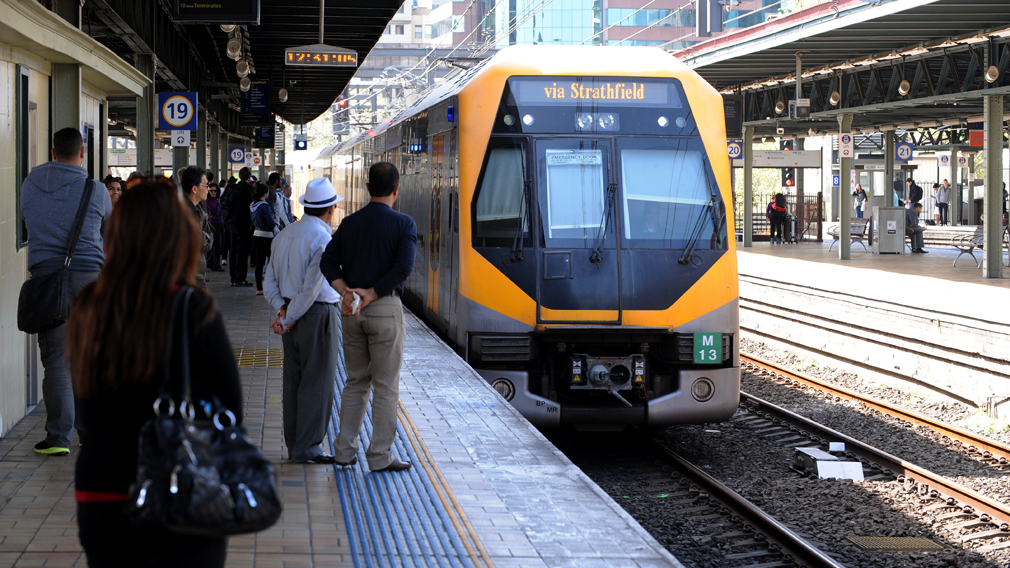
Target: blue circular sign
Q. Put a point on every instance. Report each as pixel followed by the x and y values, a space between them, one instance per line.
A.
pixel 735 150
pixel 944 160
pixel 904 151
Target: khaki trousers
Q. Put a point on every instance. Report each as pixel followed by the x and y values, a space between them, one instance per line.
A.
pixel 373 353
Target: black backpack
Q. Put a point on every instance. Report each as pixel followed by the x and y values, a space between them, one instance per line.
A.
pixel 916 193
pixel 228 204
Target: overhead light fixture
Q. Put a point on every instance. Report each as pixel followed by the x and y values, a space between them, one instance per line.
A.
pixel 946 43
pixel 769 140
pixel 242 68
pixel 282 95
pixel 976 39
pixel 234 48
pixel 835 98
pixel 780 107
pixel 904 87
pixel 991 74
pixel 227 28
pixel 917 51
pixel 892 55
pixel 244 84
pixel 846 65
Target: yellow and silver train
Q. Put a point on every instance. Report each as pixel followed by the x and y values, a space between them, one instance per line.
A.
pixel 572 206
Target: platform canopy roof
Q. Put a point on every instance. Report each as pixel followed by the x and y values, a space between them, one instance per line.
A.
pixel 863 51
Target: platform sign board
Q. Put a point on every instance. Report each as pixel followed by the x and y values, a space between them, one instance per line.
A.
pixel 976 138
pixel 119 157
pixel 836 180
pixel 707 348
pixel 903 151
pixel 846 146
pixel 177 111
pixel 264 137
pixel 180 138
pixel 735 150
pixel 236 155
pixel 256 104
pixel 782 159
pixel 944 160
pixel 162 158
pixel 962 161
pixel 733 107
pixel 217 12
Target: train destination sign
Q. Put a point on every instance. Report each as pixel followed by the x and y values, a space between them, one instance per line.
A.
pixel 217 11
pixel 320 55
pixel 569 90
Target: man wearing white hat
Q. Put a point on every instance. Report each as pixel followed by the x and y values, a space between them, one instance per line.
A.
pixel 307 317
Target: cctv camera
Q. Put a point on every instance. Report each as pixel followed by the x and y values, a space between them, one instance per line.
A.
pixel 779 130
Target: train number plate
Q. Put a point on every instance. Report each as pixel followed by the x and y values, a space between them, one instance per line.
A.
pixel 708 348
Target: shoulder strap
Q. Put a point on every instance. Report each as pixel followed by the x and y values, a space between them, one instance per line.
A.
pixel 82 212
pixel 182 298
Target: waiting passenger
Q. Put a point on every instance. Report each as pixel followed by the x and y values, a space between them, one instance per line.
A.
pixel 194 191
pixel 913 229
pixel 942 195
pixel 213 205
pixel 370 256
pixel 263 230
pixel 51 196
pixel 859 201
pixel 118 357
pixel 776 214
pixel 914 192
pixel 115 187
pixel 307 320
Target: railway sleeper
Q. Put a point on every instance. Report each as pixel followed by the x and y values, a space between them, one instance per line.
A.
pixel 752 554
pixel 994 533
pixel 1001 545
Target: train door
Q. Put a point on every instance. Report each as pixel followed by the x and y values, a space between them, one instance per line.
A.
pixel 448 197
pixel 579 280
pixel 452 230
pixel 435 232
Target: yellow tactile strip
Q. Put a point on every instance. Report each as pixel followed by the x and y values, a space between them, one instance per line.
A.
pixel 260 357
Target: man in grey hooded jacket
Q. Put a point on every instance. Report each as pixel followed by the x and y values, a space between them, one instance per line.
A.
pixel 50 197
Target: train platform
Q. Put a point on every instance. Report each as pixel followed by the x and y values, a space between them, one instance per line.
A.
pixel 486 490
pixel 911 321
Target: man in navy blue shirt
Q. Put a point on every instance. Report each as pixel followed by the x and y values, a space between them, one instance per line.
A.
pixel 370 256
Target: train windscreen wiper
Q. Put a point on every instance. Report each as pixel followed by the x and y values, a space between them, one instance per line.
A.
pixel 516 254
pixel 608 202
pixel 696 231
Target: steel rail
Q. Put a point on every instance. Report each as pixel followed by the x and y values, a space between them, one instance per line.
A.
pixel 975 442
pixel 972 503
pixel 788 542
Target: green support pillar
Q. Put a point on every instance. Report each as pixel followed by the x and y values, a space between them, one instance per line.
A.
pixel 845 197
pixel 201 138
pixel 66 109
pixel 888 168
pixel 180 159
pixel 748 186
pixel 214 138
pixel 992 256
pixel 801 175
pixel 225 156
pixel 145 116
pixel 955 199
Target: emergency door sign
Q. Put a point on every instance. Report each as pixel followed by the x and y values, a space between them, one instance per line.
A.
pixel 177 111
pixel 845 146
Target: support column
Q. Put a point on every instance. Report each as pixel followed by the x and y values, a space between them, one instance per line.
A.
pixel 145 116
pixel 66 107
pixel 180 159
pixel 801 175
pixel 889 168
pixel 225 156
pixel 248 148
pixel 845 193
pixel 263 166
pixel 201 138
pixel 955 198
pixel 992 256
pixel 748 186
pixel 214 136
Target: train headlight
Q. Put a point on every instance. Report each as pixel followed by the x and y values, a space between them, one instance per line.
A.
pixel 505 388
pixel 509 120
pixel 702 390
pixel 663 122
pixel 607 121
pixel 528 120
pixel 584 120
pixel 681 122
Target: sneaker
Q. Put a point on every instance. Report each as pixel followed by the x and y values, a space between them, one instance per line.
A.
pixel 44 448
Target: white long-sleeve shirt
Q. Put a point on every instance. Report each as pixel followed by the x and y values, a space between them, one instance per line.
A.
pixel 293 271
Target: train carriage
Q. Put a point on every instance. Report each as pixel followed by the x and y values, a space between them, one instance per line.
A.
pixel 572 206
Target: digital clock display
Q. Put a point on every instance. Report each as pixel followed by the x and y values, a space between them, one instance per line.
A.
pixel 321 58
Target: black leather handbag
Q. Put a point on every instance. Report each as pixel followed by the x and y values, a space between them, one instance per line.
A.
pixel 199 476
pixel 44 303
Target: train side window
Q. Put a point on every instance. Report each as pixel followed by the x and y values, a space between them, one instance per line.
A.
pixel 500 205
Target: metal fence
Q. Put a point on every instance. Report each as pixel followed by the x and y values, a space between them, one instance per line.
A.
pixel 810 225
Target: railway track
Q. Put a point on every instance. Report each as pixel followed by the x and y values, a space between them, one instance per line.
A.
pixel 988 450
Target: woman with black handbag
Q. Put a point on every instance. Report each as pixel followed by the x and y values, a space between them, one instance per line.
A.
pixel 120 352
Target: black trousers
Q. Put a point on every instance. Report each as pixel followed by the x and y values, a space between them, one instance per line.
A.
pixel 943 208
pixel 238 256
pixel 778 221
pixel 110 541
pixel 214 255
pixel 262 257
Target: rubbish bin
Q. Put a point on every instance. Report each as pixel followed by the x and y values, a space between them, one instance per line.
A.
pixel 888 235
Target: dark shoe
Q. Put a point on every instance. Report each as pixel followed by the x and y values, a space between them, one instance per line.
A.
pixel 353 461
pixel 395 466
pixel 44 448
pixel 922 251
pixel 321 459
pixel 245 284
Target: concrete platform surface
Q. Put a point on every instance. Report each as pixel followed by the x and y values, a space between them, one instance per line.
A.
pixel 505 492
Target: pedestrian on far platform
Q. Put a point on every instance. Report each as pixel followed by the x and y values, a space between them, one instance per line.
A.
pixel 370 256
pixel 263 230
pixel 213 205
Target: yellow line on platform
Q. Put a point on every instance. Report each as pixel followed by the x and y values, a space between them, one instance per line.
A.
pixel 428 463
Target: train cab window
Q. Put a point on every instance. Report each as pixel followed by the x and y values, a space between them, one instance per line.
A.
pixel 574 178
pixel 501 204
pixel 667 196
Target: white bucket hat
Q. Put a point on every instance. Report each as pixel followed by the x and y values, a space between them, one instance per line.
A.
pixel 319 193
